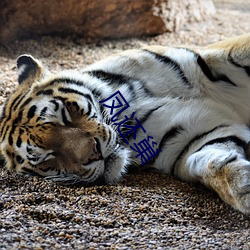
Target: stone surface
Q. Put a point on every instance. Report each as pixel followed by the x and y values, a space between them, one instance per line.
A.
pixel 98 19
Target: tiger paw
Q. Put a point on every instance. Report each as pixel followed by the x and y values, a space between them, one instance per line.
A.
pixel 232 182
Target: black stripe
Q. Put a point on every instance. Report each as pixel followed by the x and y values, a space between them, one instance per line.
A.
pixel 19 159
pixel 3 113
pixel 3 134
pixel 10 109
pixel 17 101
pixel 43 111
pixel 70 91
pixel 31 112
pixel 67 81
pixel 146 90
pixel 173 64
pixel 19 142
pixel 42 114
pixel 110 78
pixel 73 91
pixel 94 116
pixel 131 91
pixel 21 131
pixel 206 70
pixel 101 109
pixel 45 92
pixel 231 60
pixel 89 109
pixel 3 127
pixel 109 137
pixel 13 128
pixel 147 115
pixel 26 103
pixel 232 138
pixel 2 161
pixel 60 98
pixel 64 117
pixel 19 118
pixel 96 92
pixel 3 124
pixel 56 105
pixel 89 98
pixel 195 139
pixel 31 172
pixel 29 149
pixel 213 77
pixel 10 139
pixel 118 79
pixel 232 160
pixel 34 158
pixel 16 121
pixel 169 135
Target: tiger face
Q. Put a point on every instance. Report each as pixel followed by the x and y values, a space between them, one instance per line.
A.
pixel 61 133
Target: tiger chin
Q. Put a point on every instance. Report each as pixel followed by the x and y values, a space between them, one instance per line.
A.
pixel 192 103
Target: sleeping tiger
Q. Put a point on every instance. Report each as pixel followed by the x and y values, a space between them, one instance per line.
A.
pixel 193 102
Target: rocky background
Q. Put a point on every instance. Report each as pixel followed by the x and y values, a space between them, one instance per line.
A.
pixel 98 19
pixel 145 210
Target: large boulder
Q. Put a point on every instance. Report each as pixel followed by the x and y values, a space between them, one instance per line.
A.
pixel 98 19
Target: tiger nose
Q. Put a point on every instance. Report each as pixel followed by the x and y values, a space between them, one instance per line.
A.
pixel 96 153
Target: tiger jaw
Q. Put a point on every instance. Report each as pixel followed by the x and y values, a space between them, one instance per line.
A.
pixel 107 170
pixel 92 160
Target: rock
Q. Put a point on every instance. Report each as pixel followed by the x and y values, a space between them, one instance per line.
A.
pixel 98 19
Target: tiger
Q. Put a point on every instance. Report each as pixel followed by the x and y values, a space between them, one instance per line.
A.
pixel 191 104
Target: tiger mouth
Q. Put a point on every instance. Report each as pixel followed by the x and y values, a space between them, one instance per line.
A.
pixel 112 155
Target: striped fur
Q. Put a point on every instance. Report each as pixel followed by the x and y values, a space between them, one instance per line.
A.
pixel 192 101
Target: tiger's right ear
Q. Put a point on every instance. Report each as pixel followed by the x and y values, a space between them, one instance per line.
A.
pixel 30 70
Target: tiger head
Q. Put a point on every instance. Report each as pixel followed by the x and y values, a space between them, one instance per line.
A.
pixel 53 126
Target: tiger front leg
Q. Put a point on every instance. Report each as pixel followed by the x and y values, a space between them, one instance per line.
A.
pixel 226 171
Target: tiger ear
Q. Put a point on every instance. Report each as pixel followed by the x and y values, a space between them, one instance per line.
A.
pixel 29 69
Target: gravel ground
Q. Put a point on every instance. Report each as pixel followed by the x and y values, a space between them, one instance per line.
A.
pixel 146 210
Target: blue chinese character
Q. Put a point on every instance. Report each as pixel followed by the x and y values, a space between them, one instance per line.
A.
pixel 117 98
pixel 145 150
pixel 131 128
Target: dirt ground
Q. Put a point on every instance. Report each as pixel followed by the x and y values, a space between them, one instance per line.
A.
pixel 145 210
